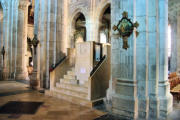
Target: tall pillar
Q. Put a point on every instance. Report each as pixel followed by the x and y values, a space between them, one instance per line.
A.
pixel 165 98
pixel 141 58
pixel 21 59
pixel 1 39
pixel 124 100
pixel 41 37
pixel 44 37
pixel 6 27
pixel 153 58
pixel 139 74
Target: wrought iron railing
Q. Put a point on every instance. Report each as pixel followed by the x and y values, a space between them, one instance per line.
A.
pixel 97 65
pixel 58 63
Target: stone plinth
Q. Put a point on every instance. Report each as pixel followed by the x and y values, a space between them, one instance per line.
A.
pixel 34 82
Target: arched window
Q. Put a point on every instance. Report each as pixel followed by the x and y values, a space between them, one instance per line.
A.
pixel 79 28
pixel 105 25
pixel 103 37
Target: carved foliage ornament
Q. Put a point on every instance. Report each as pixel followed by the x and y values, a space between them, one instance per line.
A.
pixel 125 28
pixel 35 42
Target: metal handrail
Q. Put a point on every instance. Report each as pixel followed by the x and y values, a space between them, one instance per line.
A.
pixel 57 64
pixel 97 65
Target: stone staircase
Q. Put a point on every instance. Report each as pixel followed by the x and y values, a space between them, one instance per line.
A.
pixel 68 88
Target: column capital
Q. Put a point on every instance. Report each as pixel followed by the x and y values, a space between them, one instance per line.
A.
pixel 4 4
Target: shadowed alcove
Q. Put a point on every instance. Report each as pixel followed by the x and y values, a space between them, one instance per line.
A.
pixel 79 28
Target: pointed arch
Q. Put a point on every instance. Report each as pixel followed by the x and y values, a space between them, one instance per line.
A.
pixel 78 14
pixel 104 26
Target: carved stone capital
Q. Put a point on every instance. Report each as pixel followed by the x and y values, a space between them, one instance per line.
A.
pixel 4 4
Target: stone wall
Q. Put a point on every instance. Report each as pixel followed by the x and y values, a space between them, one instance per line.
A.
pixel 10 38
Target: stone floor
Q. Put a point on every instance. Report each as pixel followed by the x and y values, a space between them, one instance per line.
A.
pixel 51 109
pixel 13 93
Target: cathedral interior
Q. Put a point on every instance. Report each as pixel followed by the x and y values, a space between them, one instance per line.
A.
pixel 89 59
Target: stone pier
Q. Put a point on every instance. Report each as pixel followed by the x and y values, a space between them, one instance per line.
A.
pixel 140 73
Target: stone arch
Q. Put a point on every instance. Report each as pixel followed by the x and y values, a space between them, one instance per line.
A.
pixel 102 9
pixel 78 10
pixel 72 21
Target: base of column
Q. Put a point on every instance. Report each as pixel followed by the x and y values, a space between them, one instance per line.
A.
pixel 34 82
pixel 153 107
pixel 125 106
pixel 4 74
pixel 21 74
pixel 124 100
pixel 143 108
pixel 166 100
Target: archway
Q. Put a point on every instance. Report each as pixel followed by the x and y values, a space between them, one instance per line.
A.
pixel 105 25
pixel 79 29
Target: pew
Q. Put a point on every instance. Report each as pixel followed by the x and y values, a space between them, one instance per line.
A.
pixel 174 80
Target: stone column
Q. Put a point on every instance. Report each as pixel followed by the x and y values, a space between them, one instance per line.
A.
pixel 153 58
pixel 11 39
pixel 6 22
pixel 139 74
pixel 59 30
pixel 36 31
pixel 141 57
pixel 34 81
pixel 124 100
pixel 1 40
pixel 54 30
pixel 36 16
pixel 89 29
pixel 42 49
pixel 165 98
pixel 21 59
pixel 48 42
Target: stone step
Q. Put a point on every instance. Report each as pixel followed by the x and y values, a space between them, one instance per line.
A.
pixel 72 93
pixel 71 73
pixel 72 99
pixel 69 77
pixel 73 87
pixel 69 81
